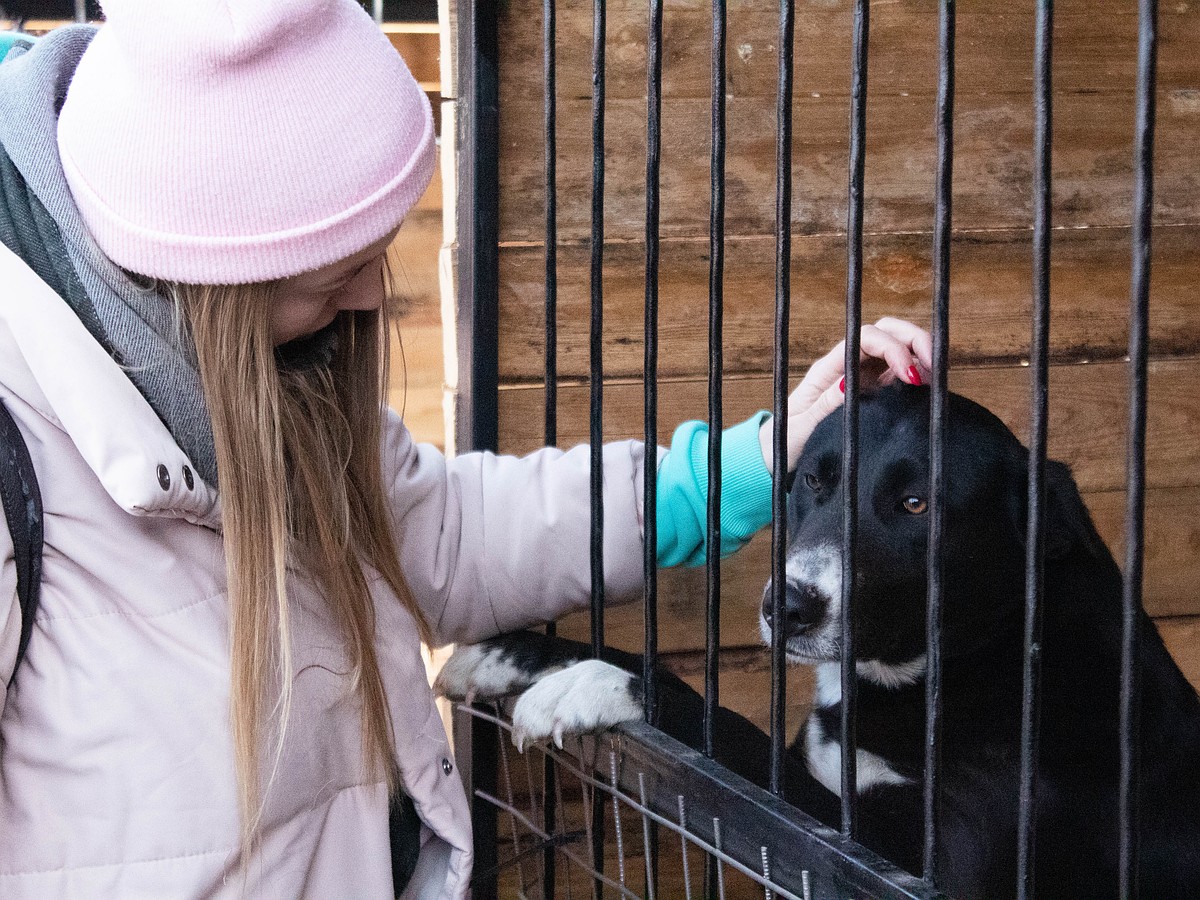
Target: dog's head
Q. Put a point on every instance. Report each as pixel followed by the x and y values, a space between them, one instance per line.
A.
pixel 983 545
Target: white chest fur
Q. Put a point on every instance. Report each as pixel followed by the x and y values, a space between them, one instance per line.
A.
pixel 824 753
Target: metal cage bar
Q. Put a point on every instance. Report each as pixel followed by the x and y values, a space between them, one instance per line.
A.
pixel 550 119
pixel 854 263
pixel 1139 325
pixel 1035 539
pixel 650 362
pixel 596 409
pixel 477 228
pixel 937 427
pixel 783 288
pixel 716 288
pixel 550 417
pixel 597 326
pixel 650 403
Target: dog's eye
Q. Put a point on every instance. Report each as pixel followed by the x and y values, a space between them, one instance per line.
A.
pixel 812 481
pixel 914 505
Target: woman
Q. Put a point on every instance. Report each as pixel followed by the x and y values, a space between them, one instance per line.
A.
pixel 224 689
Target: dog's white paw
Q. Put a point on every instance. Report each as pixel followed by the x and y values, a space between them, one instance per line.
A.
pixel 587 696
pixel 480 672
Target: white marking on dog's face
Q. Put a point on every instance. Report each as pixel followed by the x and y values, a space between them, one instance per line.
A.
pixel 824 757
pixel 819 568
pixel 584 697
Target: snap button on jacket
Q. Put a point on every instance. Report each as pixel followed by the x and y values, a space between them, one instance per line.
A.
pixel 116 760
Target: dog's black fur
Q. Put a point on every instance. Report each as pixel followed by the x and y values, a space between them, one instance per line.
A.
pixel 983 609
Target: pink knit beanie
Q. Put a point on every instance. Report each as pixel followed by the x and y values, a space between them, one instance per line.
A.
pixel 230 141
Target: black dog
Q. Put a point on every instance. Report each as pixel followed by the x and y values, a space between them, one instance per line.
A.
pixel 982 652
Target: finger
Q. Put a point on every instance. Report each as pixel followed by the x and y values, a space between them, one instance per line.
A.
pixel 916 337
pixel 801 427
pixel 898 355
pixel 829 368
pixel 820 375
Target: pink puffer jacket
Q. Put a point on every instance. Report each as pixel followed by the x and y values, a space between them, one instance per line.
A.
pixel 116 766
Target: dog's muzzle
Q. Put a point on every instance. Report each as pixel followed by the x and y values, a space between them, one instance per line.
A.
pixel 811 603
pixel 803 608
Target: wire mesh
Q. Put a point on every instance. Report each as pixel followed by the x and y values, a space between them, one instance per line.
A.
pixel 660 831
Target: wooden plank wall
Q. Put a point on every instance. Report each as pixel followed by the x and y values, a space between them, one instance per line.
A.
pixel 1095 55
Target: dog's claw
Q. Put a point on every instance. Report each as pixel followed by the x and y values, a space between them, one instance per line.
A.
pixel 558 736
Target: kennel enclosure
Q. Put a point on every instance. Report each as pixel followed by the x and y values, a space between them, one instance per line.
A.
pixel 628 242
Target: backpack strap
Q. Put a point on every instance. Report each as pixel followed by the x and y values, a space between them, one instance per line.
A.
pixel 23 512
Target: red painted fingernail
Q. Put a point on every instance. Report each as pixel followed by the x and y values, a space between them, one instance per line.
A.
pixel 914 377
pixel 842 384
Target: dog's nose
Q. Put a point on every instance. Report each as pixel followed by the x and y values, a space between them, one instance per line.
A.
pixel 803 607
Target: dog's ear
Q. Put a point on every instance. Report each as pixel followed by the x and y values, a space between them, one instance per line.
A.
pixel 1068 523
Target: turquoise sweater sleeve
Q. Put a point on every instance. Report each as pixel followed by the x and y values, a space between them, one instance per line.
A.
pixel 682 492
pixel 8 39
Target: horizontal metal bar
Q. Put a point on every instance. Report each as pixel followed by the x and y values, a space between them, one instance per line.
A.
pixel 796 841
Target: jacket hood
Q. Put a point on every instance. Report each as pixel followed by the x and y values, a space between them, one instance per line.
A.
pixel 41 225
pixel 50 363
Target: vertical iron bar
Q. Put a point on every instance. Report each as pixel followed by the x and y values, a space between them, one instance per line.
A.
pixel 510 795
pixel 854 230
pixel 478 227
pixel 937 427
pixel 683 848
pixel 377 11
pixel 650 404
pixel 478 301
pixel 1136 454
pixel 80 10
pixel 783 289
pixel 649 841
pixel 616 804
pixel 597 326
pixel 716 285
pixel 650 362
pixel 550 115
pixel 597 384
pixel 1039 421
pixel 720 874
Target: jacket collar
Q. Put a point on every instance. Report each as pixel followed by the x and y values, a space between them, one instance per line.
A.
pixel 50 362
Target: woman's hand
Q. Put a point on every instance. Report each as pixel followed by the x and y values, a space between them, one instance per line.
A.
pixel 890 349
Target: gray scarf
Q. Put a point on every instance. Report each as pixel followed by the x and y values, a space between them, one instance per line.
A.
pixel 41 224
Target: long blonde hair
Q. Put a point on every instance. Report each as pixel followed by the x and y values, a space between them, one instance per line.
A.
pixel 298 459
